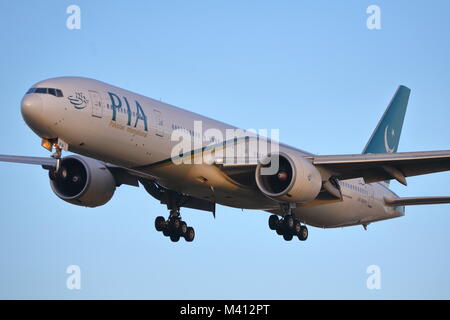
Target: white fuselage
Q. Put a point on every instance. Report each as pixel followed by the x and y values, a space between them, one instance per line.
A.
pixel 126 129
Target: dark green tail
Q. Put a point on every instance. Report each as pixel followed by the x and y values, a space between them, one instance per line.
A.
pixel 386 136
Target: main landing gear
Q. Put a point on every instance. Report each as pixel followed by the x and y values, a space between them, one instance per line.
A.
pixel 174 227
pixel 288 227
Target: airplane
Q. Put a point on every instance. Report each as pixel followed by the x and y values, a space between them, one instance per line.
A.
pixel 119 137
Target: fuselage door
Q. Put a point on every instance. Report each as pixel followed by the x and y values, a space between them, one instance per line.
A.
pixel 158 122
pixel 96 103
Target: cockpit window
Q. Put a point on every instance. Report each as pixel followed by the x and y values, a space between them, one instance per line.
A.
pixel 54 92
pixel 41 90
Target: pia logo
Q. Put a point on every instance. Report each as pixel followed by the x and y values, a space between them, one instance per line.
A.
pixel 78 101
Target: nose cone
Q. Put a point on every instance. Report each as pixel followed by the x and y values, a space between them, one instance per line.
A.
pixel 32 112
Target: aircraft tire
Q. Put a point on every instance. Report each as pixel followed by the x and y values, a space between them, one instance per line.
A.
pixel 175 224
pixel 297 227
pixel 273 222
pixel 289 222
pixel 160 223
pixel 166 232
pixel 183 228
pixel 190 234
pixel 303 235
pixel 288 237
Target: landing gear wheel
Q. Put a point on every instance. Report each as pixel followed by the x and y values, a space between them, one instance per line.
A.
pixel 175 224
pixel 190 234
pixel 288 237
pixel 160 223
pixel 166 232
pixel 273 222
pixel 297 227
pixel 183 228
pixel 289 222
pixel 303 235
pixel 279 231
pixel 175 237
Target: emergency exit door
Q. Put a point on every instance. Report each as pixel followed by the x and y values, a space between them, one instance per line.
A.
pixel 158 122
pixel 96 103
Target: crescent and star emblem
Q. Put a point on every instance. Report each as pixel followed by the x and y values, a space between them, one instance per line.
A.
pixel 386 143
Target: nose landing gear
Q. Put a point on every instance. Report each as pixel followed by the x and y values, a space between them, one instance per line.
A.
pixel 53 173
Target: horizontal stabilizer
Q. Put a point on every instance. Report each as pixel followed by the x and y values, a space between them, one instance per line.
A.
pixel 416 201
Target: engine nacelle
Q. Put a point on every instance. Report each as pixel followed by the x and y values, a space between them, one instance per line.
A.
pixel 296 181
pixel 84 182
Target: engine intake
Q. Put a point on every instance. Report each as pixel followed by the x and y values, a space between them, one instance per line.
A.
pixel 83 181
pixel 297 180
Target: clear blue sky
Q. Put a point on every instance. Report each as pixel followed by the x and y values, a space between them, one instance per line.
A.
pixel 310 68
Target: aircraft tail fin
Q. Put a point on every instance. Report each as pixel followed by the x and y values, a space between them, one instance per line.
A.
pixel 386 135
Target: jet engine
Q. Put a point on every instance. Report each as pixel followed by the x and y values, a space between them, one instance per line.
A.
pixel 83 181
pixel 296 180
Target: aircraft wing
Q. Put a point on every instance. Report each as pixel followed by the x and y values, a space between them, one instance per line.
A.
pixel 45 162
pixel 371 167
pixel 416 201
pixel 123 175
pixel 383 166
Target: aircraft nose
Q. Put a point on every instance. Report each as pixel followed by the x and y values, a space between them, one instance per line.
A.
pixel 31 107
pixel 32 111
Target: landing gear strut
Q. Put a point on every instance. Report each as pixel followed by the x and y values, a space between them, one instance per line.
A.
pixel 53 173
pixel 174 227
